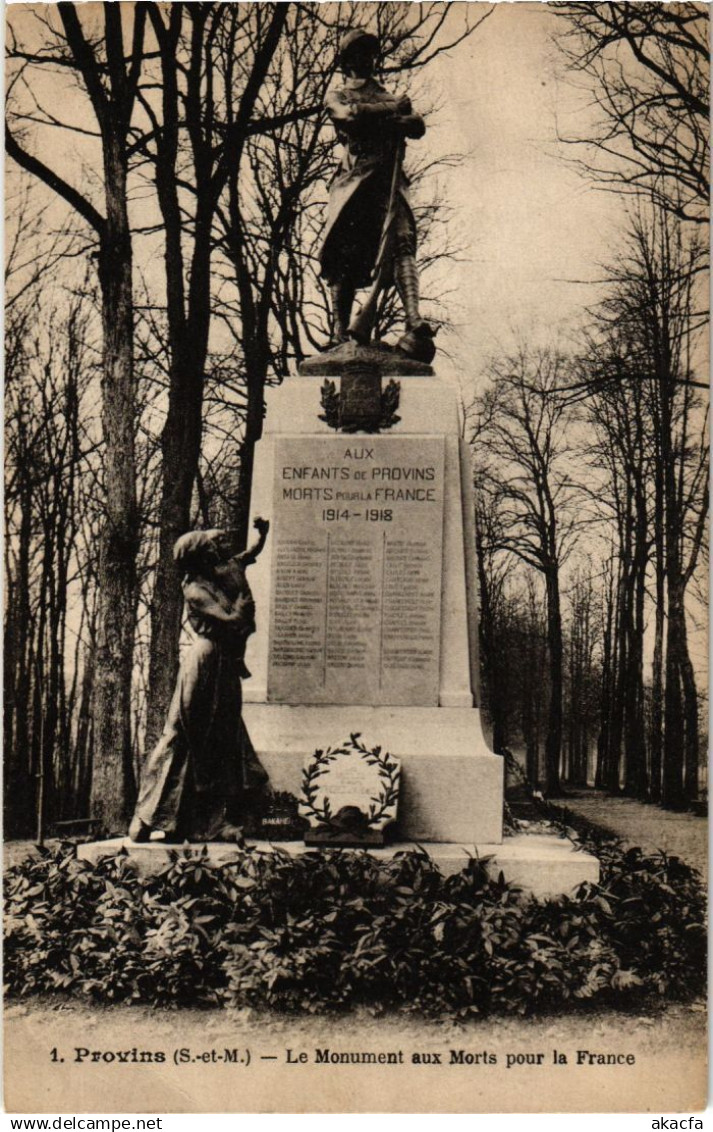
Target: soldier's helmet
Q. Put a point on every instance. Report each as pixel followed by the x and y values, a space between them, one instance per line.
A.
pixel 350 38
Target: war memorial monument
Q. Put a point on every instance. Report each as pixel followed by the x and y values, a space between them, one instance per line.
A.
pixel 359 626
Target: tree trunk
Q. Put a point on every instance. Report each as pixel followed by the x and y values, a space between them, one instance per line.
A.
pixel 188 329
pixel 112 784
pixel 180 445
pixel 553 742
pixel 690 707
pixel 604 737
pixel 83 743
pixel 636 778
pixel 490 650
pixel 672 795
pixel 20 785
pixel 656 733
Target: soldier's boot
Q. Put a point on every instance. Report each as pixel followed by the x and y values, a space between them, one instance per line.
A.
pixel 406 279
pixel 342 295
pixel 417 341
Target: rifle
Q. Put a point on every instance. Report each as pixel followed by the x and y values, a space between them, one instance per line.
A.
pixel 361 325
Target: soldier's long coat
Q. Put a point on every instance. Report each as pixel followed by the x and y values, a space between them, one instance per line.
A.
pixel 359 192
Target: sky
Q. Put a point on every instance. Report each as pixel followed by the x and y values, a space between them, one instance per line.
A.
pixel 534 227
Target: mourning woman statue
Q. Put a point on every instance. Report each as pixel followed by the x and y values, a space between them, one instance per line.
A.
pixel 198 779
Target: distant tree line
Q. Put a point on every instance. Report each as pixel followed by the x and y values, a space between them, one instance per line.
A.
pixel 592 478
pixel 599 455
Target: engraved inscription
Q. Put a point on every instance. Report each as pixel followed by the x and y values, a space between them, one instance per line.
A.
pixel 411 604
pixel 298 584
pixel 356 586
pixel 353 604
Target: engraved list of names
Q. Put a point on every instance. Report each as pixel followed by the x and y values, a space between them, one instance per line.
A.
pixel 356 577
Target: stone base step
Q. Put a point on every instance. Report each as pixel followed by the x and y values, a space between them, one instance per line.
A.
pixel 545 865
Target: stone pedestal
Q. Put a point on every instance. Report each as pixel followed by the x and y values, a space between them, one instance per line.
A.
pixel 451 785
pixel 544 865
pixel 366 604
pixel 366 608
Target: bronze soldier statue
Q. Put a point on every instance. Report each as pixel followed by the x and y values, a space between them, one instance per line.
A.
pixel 371 232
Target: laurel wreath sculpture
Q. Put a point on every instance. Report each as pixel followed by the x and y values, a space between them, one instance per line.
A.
pixel 389 776
pixel 329 398
pixel 390 396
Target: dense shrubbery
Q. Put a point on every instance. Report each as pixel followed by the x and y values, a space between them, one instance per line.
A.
pixel 331 929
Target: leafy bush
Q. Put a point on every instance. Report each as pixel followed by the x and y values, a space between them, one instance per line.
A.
pixel 652 908
pixel 329 929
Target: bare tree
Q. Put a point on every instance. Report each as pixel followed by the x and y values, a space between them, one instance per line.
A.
pixel 523 431
pixel 644 396
pixel 50 382
pixel 532 682
pixel 622 452
pixel 109 73
pixel 189 181
pixel 494 572
pixel 646 65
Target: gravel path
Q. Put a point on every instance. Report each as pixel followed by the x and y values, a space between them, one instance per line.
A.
pixel 683 835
